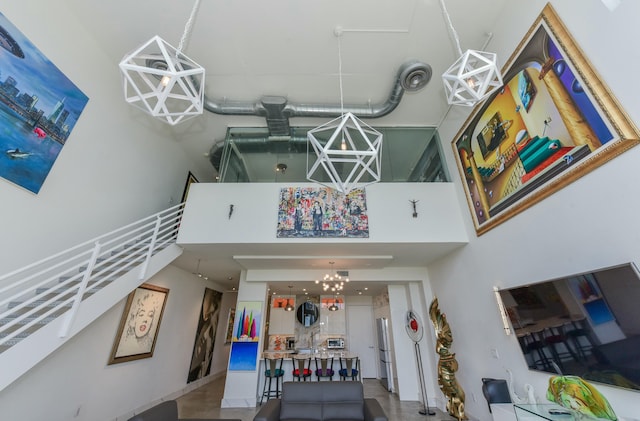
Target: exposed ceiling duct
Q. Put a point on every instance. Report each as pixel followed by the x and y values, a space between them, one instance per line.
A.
pixel 412 76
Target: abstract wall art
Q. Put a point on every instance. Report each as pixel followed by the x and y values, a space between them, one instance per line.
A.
pixel 246 336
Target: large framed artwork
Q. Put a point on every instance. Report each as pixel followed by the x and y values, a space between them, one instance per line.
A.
pixel 139 325
pixel 187 185
pixel 230 319
pixel 246 336
pixel 311 212
pixel 205 335
pixel 39 107
pixel 553 121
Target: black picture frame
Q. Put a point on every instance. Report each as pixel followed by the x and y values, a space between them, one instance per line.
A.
pixel 190 179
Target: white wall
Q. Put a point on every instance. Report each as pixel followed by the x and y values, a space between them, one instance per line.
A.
pixel 240 387
pixel 590 224
pixel 77 378
pixel 440 218
pixel 117 166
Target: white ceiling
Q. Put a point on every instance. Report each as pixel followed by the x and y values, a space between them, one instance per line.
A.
pixel 252 48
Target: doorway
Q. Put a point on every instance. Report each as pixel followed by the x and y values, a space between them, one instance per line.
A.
pixel 361 338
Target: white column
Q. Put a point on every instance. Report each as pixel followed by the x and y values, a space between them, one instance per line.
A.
pixel 240 389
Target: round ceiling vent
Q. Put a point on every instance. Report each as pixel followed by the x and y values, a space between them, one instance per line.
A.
pixel 156 63
pixel 415 76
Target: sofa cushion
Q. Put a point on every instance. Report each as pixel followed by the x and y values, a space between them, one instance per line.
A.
pixel 322 401
pixel 164 411
pixel 343 401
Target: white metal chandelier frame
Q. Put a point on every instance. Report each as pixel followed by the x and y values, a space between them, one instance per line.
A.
pixel 352 144
pixel 162 81
pixel 473 77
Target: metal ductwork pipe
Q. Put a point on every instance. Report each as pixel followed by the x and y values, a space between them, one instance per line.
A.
pixel 412 76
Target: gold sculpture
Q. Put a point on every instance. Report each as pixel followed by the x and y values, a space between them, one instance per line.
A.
pixel 447 364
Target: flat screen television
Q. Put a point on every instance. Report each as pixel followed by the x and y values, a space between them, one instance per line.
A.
pixel 586 324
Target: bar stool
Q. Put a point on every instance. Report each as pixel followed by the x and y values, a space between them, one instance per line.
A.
pixel 301 368
pixel 580 331
pixel 272 372
pixel 536 346
pixel 324 368
pixel 556 339
pixel 349 368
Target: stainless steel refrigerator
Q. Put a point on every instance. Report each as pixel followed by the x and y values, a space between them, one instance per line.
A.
pixel 384 352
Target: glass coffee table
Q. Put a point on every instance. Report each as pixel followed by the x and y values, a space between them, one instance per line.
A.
pixel 543 411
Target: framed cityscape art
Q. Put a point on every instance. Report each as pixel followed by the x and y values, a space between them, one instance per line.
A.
pixel 39 107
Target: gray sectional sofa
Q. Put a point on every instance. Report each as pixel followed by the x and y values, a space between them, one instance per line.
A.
pixel 321 401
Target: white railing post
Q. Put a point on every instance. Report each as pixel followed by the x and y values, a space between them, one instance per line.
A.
pixel 71 314
pixel 152 244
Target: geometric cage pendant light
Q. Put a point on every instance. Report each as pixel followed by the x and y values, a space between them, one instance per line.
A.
pixel 473 77
pixel 347 150
pixel 162 81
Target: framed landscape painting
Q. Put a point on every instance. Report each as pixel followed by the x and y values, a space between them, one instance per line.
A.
pixel 553 121
pixel 39 107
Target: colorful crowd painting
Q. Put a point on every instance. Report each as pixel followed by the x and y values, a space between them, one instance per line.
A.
pixel 322 212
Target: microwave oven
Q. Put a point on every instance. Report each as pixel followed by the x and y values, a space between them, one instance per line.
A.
pixel 335 343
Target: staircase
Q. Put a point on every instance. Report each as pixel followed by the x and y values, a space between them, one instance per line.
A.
pixel 44 304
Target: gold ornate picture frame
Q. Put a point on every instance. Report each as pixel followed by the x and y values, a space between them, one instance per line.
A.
pixel 139 325
pixel 573 126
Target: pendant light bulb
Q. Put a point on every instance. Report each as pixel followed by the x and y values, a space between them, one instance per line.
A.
pixel 289 306
pixel 334 306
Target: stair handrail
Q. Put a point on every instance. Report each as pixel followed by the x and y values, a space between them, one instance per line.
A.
pixel 57 284
pixel 92 241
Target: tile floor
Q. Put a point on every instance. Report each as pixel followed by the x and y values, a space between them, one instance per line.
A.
pixel 204 402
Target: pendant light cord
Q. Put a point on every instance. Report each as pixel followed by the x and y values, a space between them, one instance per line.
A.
pixel 340 74
pixel 451 28
pixel 188 26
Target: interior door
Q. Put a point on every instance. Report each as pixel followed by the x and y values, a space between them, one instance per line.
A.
pixel 362 339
